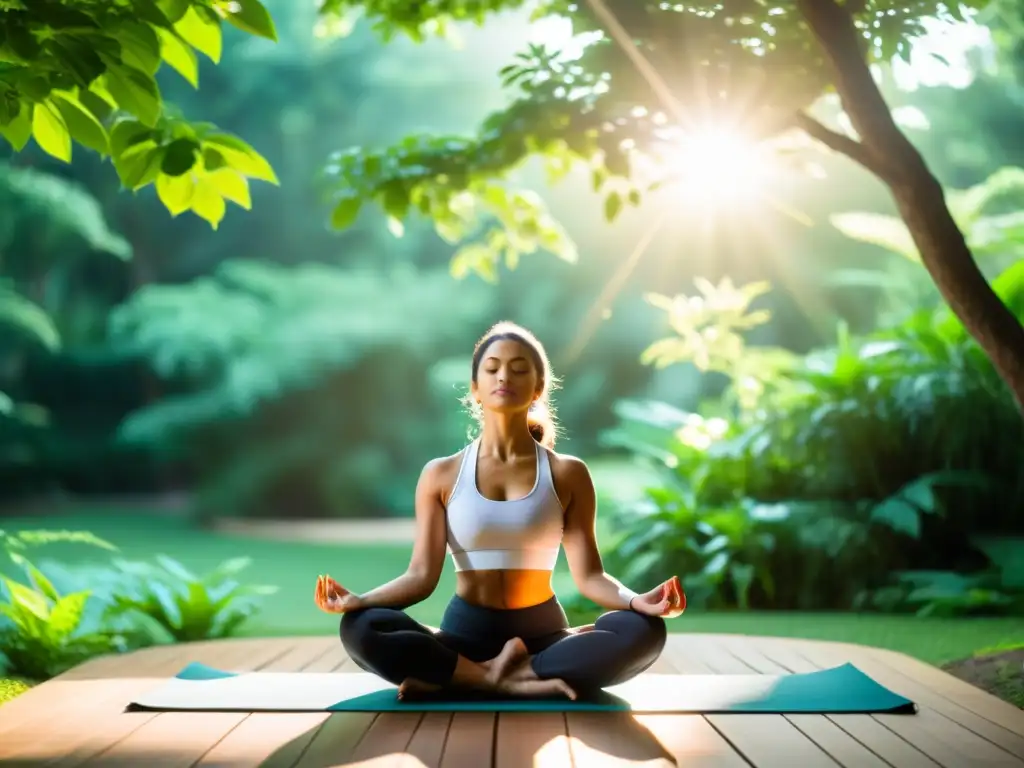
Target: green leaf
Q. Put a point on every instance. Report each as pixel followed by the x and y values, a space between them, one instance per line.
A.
pixel 250 16
pixel 179 55
pixel 612 206
pixel 346 211
pixel 38 577
pixel 19 130
pixel 201 30
pixel 140 165
pixel 82 124
pixel 66 615
pixel 174 9
pixel 135 92
pixel 240 156
pixel 176 192
pixel 899 515
pixel 888 232
pixel 231 185
pixel 51 132
pixel 207 203
pixel 176 569
pixel 179 157
pixel 29 599
pixel 140 46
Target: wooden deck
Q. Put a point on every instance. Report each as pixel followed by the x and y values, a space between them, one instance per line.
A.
pixel 78 719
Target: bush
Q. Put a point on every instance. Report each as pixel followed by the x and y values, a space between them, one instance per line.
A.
pixel 834 487
pixel 60 616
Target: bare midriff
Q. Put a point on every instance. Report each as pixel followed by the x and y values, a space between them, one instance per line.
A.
pixel 504 590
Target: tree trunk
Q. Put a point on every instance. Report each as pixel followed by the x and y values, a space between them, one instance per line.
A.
pixel 918 196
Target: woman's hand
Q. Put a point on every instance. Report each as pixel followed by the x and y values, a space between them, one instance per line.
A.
pixel 666 600
pixel 331 597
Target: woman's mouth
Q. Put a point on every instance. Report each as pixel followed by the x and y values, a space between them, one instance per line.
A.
pixel 502 392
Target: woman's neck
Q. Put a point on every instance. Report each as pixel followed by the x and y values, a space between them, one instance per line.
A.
pixel 506 436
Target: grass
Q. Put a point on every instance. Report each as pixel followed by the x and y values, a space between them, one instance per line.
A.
pixel 11 687
pixel 293 568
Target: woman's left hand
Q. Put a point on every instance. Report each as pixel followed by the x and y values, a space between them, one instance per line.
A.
pixel 666 600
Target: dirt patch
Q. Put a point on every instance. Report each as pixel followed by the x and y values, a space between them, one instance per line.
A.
pixel 1000 673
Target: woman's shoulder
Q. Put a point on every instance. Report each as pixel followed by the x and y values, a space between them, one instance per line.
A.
pixel 566 465
pixel 443 470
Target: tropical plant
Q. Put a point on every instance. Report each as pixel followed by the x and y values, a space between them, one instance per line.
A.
pixel 42 630
pixel 846 467
pixel 85 73
pixel 40 635
pixel 165 602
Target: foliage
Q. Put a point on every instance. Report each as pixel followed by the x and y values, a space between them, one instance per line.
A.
pixel 84 73
pixel 275 365
pixel 988 213
pixel 164 602
pixel 41 631
pixel 594 105
pixel 41 636
pixel 61 215
pixel 836 479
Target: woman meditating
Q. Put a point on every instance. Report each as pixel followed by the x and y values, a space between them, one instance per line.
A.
pixel 504 506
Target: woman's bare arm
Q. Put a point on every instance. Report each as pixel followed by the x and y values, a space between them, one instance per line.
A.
pixel 580 539
pixel 428 552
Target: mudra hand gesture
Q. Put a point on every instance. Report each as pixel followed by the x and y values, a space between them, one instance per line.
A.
pixel 666 600
pixel 331 597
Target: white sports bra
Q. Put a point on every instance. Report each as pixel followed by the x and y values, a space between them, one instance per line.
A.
pixel 523 533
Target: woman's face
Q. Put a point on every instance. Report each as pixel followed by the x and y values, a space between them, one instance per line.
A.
pixel 507 380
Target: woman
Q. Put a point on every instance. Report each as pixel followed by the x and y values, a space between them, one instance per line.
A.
pixel 504 506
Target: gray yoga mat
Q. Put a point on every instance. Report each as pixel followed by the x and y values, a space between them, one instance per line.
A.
pixel 844 689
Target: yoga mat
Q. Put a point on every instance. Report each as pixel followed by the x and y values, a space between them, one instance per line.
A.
pixel 844 689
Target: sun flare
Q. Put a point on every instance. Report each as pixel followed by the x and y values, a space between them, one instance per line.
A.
pixel 717 165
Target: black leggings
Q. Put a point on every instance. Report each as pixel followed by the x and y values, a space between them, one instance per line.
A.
pixel 389 643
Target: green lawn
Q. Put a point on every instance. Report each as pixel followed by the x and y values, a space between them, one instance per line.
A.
pixel 293 567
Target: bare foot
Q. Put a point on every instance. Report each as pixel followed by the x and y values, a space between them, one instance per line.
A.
pixel 502 664
pixel 522 681
pixel 412 688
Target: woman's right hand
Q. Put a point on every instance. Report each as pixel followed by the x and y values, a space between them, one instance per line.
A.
pixel 331 597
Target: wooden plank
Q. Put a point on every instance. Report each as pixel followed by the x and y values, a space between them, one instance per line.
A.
pixel 427 745
pixel 99 728
pixel 386 740
pixel 59 696
pixel 533 740
pixel 613 739
pixel 765 740
pixel 179 739
pixel 334 741
pixel 278 737
pixel 63 714
pixel 967 696
pixel 842 745
pixel 470 741
pixel 691 741
pixel 946 732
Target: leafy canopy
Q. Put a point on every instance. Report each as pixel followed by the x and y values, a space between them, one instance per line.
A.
pixel 84 72
pixel 607 104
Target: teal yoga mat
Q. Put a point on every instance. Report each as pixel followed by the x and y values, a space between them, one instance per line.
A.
pixel 844 689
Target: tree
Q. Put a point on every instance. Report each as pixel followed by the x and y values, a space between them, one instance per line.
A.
pixel 754 65
pixel 84 72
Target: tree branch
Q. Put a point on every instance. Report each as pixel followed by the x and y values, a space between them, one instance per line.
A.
pixel 838 142
pixel 833 27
